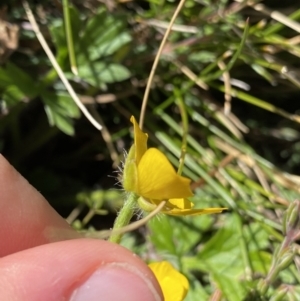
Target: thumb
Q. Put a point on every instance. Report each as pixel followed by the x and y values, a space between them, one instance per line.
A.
pixel 77 270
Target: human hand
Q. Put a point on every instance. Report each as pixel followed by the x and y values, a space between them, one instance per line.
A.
pixel 43 258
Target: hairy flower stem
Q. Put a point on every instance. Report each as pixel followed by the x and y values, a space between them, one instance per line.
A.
pixel 124 216
pixel 284 254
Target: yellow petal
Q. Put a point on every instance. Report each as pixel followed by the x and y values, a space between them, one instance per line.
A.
pixel 191 212
pixel 181 203
pixel 172 204
pixel 158 180
pixel 180 207
pixel 173 284
pixel 140 140
pixel 129 180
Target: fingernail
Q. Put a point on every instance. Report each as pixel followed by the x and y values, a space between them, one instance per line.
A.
pixel 116 282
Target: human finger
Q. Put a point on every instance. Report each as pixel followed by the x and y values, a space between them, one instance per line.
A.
pixel 26 218
pixel 77 270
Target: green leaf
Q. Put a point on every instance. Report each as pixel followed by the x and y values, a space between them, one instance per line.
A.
pixel 260 261
pixel 263 72
pixel 60 109
pixel 196 291
pixel 202 56
pixel 162 236
pixel 108 48
pixel 229 285
pixel 5 78
pixel 221 258
pixel 61 103
pixel 256 237
pixel 17 83
pixel 12 95
pixel 182 232
pixel 62 122
pixel 103 35
pixel 100 73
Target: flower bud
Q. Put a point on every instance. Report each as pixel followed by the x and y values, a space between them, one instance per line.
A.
pixel 262 286
pixel 291 219
pixel 279 294
pixel 283 262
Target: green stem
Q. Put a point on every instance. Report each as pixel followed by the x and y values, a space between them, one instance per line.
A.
pixel 69 36
pixel 185 128
pixel 124 216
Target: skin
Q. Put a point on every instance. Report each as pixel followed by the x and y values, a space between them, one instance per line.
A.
pixel 43 258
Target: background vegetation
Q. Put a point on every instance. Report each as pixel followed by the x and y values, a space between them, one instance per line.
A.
pixel 243 127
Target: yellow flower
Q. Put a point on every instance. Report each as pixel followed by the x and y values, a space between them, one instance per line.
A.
pixel 174 285
pixel 149 174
